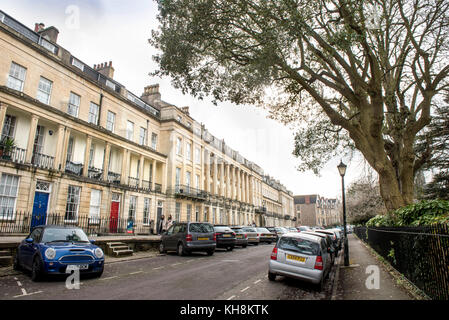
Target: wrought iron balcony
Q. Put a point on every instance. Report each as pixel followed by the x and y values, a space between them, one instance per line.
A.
pixel 74 168
pixel 189 192
pixel 95 173
pixel 158 188
pixel 146 185
pixel 16 155
pixel 133 182
pixel 113 177
pixel 260 210
pixel 42 161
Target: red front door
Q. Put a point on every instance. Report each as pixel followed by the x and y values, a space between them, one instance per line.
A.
pixel 113 222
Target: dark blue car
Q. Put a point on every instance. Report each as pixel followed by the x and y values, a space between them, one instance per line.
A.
pixel 52 249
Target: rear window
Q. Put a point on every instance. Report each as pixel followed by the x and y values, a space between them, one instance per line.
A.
pixel 299 245
pixel 223 229
pixel 249 230
pixel 263 230
pixel 201 228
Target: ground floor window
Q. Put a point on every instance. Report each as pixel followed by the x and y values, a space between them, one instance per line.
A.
pixel 9 185
pixel 73 201
pixel 189 212
pixel 95 204
pixel 146 211
pixel 178 211
pixel 197 213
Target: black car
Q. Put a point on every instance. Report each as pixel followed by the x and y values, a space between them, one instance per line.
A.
pixel 225 238
pixel 187 237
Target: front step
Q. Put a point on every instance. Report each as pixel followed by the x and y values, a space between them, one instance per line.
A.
pixel 6 261
pixel 118 249
pixel 5 253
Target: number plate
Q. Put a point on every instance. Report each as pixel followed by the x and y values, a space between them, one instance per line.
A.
pixel 203 238
pixel 226 235
pixel 78 266
pixel 296 258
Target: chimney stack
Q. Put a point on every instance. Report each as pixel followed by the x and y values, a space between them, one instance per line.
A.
pixel 185 110
pixel 51 33
pixel 105 69
pixel 152 95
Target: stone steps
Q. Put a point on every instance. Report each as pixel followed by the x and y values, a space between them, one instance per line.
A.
pixel 6 259
pixel 118 249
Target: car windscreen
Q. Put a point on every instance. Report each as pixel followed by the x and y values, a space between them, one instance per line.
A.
pixel 263 230
pixel 299 245
pixel 249 230
pixel 64 235
pixel 201 228
pixel 238 231
pixel 281 229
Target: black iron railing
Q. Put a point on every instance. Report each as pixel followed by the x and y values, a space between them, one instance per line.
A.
pixel 16 155
pixel 421 254
pixel 23 222
pixel 133 182
pixel 113 177
pixel 95 173
pixel 188 191
pixel 74 168
pixel 42 161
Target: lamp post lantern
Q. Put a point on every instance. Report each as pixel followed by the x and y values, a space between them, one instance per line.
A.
pixel 342 170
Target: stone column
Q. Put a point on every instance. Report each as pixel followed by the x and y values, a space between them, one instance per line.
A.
pixel 215 183
pixel 59 147
pixel 86 155
pixel 228 181
pixel 164 177
pixel 208 171
pixel 125 166
pixel 153 176
pixel 3 109
pixel 31 138
pixel 65 147
pixel 141 167
pixel 107 154
pixel 239 193
pixel 222 182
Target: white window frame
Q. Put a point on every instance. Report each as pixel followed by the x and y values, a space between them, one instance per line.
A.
pixel 189 151
pixel 78 64
pixel 17 75
pixel 73 100
pixel 146 211
pixel 9 124
pixel 129 130
pixel 197 155
pixel 143 136
pixel 94 112
pixel 179 146
pixel 6 197
pixel 42 95
pixel 77 196
pixel 95 207
pixel 110 125
pixel 189 212
pixel 132 208
pixel 154 140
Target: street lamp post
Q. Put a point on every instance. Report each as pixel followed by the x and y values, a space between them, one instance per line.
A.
pixel 342 169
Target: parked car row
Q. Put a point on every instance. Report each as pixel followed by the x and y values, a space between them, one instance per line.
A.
pixel 306 255
pixel 187 237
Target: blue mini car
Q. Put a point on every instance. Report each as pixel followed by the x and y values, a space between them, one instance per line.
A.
pixel 52 249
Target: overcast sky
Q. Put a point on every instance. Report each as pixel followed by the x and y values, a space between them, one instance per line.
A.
pixel 97 31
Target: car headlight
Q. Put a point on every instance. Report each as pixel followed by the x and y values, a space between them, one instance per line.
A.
pixel 50 253
pixel 99 253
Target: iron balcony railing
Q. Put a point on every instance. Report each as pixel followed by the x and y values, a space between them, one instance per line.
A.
pixel 146 185
pixel 260 209
pixel 13 222
pixel 95 173
pixel 74 168
pixel 113 177
pixel 133 182
pixel 188 191
pixel 16 155
pixel 42 161
pixel 158 188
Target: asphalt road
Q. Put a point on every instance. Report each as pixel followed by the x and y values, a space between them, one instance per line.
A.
pixel 237 275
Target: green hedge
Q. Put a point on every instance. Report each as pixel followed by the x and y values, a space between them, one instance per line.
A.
pixel 426 212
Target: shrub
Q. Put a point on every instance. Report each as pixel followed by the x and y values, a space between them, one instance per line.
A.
pixel 426 212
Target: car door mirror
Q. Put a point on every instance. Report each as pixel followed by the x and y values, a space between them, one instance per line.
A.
pixel 29 240
pixel 92 241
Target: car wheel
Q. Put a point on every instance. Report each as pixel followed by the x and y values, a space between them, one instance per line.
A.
pixel 320 286
pixel 16 264
pixel 36 270
pixel 230 248
pixel 98 274
pixel 162 248
pixel 257 243
pixel 181 250
pixel 210 252
pixel 244 246
pixel 271 276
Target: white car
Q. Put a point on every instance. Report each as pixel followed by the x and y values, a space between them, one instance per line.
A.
pixel 301 256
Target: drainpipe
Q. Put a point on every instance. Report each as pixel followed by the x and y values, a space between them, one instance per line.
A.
pixel 99 108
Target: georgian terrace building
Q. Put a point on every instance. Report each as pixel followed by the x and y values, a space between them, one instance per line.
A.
pixel 87 148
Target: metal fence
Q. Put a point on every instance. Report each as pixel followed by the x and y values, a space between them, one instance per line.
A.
pixel 23 222
pixel 421 254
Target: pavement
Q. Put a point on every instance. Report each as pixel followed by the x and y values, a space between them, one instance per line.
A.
pixel 367 278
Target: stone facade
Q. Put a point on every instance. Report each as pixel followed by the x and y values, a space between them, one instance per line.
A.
pixel 100 151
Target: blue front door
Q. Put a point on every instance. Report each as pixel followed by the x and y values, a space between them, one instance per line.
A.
pixel 39 209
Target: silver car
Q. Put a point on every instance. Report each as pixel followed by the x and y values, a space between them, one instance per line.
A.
pixel 300 256
pixel 253 236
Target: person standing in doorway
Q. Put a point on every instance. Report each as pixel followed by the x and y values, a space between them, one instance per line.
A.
pixel 161 226
pixel 169 222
